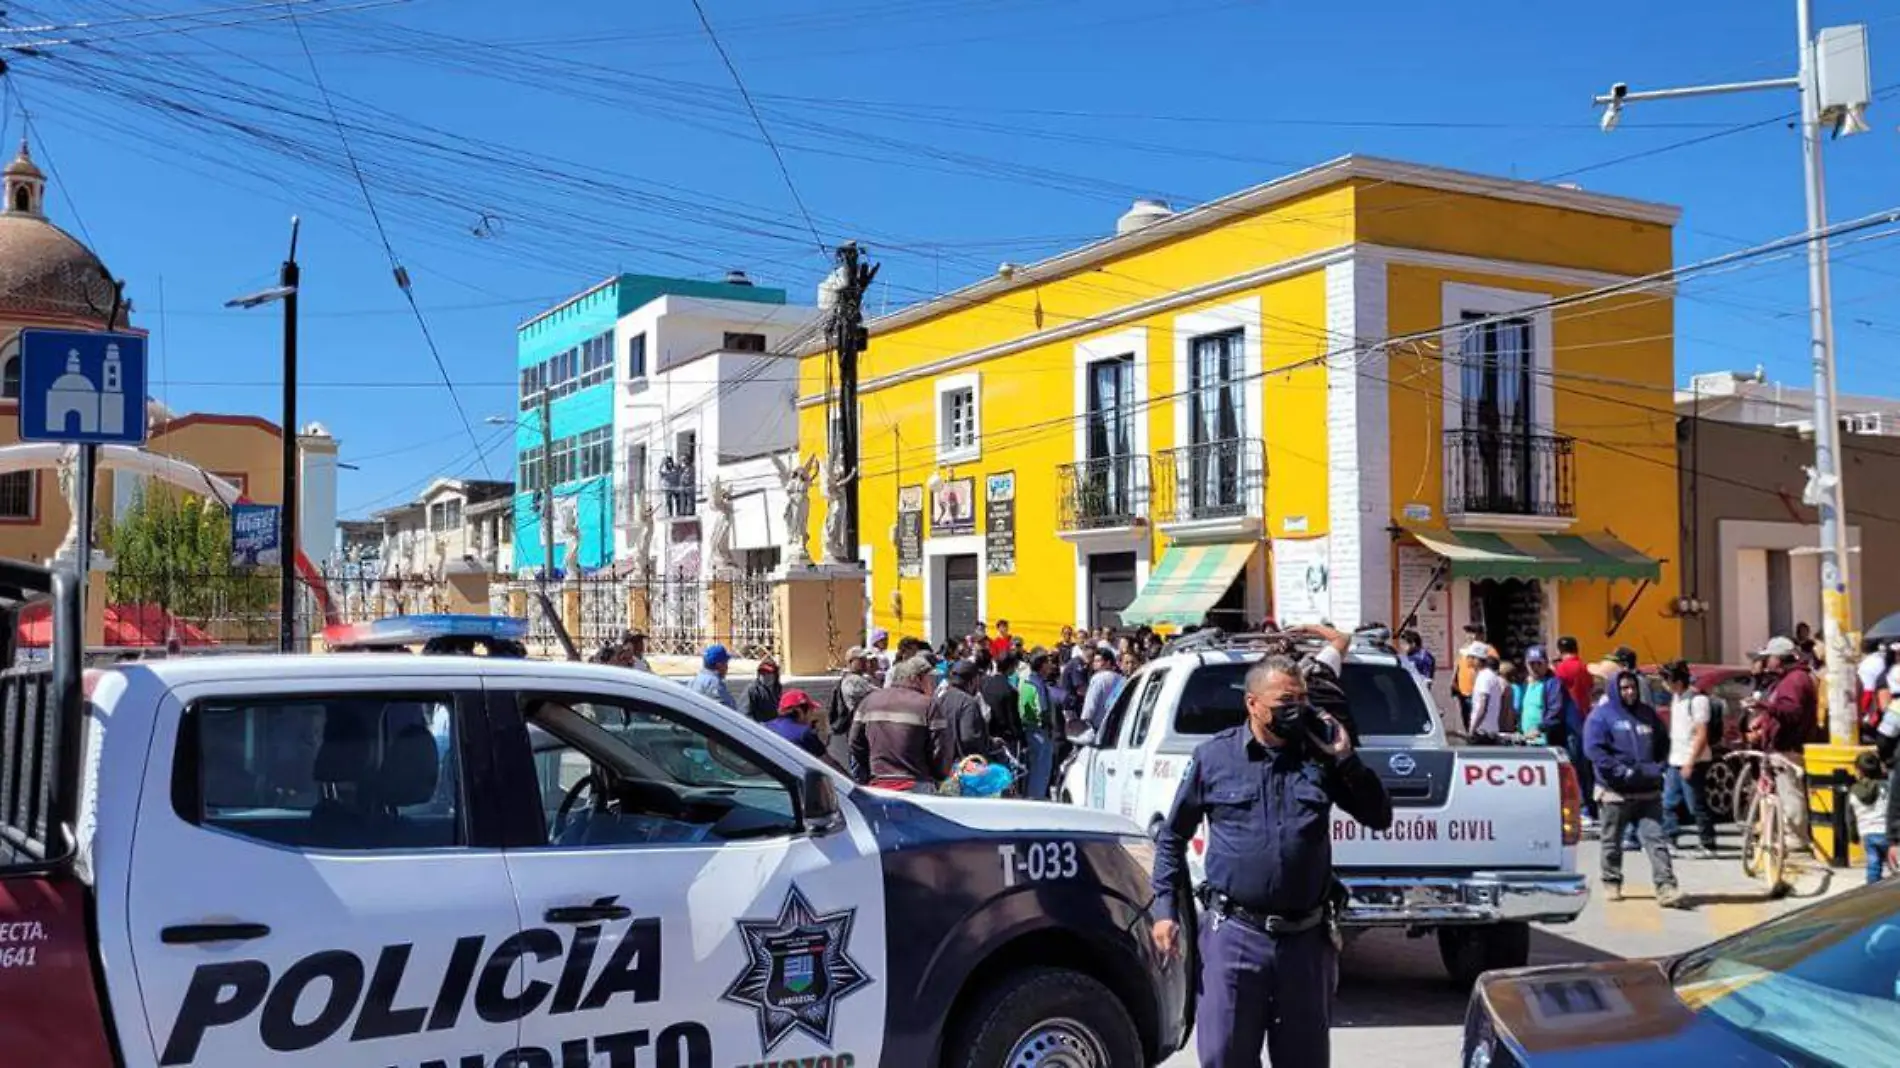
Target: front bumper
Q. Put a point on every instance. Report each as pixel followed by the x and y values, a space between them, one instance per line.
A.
pixel 1399 900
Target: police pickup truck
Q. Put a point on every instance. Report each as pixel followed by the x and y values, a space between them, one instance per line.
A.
pixel 1483 840
pixel 437 861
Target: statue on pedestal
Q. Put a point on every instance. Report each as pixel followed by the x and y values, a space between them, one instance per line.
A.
pixel 837 483
pixel 719 532
pixel 796 479
pixel 640 538
pixel 570 515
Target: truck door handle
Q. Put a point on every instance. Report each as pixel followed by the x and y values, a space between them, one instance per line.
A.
pixel 1139 772
pixel 594 913
pixel 1108 771
pixel 197 934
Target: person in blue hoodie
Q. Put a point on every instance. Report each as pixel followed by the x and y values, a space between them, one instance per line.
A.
pixel 1626 743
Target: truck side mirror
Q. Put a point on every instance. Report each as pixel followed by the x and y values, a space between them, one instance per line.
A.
pixel 818 804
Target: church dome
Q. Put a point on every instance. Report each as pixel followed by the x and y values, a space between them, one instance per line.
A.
pixel 43 269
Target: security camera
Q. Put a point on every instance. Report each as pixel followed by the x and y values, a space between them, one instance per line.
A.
pixel 1613 108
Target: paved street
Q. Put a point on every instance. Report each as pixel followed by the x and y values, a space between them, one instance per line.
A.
pixel 1397 1009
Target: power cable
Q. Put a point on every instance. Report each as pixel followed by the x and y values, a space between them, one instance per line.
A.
pixel 758 120
pixel 395 266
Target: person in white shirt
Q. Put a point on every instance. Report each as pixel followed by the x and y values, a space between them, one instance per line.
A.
pixel 1487 701
pixel 1868 799
pixel 1685 780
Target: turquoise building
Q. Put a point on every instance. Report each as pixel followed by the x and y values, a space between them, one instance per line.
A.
pixel 573 354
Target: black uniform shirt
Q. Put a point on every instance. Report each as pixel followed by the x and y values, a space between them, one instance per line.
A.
pixel 1269 815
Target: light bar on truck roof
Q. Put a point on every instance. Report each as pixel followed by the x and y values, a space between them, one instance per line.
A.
pixel 418 630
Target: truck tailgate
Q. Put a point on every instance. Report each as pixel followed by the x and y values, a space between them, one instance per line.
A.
pixel 49 1003
pixel 1464 809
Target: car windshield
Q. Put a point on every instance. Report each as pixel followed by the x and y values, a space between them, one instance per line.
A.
pixel 1824 981
pixel 1384 699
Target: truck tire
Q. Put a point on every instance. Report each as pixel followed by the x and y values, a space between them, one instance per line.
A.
pixel 1046 1016
pixel 1471 951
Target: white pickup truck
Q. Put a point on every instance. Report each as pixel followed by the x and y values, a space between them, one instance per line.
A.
pixel 403 861
pixel 1483 840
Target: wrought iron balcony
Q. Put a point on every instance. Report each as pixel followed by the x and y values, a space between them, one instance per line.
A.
pixel 1224 479
pixel 1103 493
pixel 1493 472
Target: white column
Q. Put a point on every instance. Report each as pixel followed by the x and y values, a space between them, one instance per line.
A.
pixel 1358 445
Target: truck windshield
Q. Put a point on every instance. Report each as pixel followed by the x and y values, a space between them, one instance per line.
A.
pixel 1384 699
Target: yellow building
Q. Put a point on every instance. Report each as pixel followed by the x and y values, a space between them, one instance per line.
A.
pixel 1357 393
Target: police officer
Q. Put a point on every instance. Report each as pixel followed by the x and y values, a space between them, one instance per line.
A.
pixel 1266 789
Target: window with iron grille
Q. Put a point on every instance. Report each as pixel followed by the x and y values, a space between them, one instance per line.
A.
pixel 956 422
pixel 19 495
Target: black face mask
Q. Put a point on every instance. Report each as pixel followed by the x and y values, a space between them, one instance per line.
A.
pixel 1290 717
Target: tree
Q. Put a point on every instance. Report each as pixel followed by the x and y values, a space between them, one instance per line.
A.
pixel 173 550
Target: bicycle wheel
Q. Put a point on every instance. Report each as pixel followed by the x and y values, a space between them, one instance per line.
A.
pixel 1753 857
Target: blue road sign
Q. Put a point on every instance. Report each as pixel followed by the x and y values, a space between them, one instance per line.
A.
pixel 81 387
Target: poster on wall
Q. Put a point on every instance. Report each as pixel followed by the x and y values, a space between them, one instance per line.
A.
pixel 1302 581
pixel 254 536
pixel 910 531
pixel 953 508
pixel 1420 584
pixel 999 523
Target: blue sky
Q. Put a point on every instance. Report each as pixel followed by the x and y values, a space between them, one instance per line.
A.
pixel 589 136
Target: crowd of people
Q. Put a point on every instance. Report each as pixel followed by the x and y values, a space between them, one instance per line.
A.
pixel 908 716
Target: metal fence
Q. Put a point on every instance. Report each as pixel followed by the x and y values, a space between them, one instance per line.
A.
pixel 754 621
pixel 152 609
pixel 361 596
pixel 676 617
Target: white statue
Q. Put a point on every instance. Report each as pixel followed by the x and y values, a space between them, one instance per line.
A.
pixel 796 478
pixel 837 482
pixel 640 537
pixel 570 515
pixel 719 534
pixel 69 489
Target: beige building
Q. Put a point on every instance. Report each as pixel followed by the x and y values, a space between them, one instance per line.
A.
pixel 1749 546
pixel 451 521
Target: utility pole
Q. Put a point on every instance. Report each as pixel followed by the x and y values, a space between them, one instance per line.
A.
pixel 1846 86
pixel 854 279
pixel 289 279
pixel 547 488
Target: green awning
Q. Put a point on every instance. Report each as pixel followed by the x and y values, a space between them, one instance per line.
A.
pixel 1484 554
pixel 1187 582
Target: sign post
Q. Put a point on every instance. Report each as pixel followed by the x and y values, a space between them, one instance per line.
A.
pixel 83 389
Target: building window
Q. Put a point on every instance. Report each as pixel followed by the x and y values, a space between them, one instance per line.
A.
pixel 19 497
pixel 445 515
pixel 1496 374
pixel 1111 408
pixel 958 421
pixel 596 452
pixel 237 478
pixel 10 388
pixel 1217 404
pixel 568 372
pixel 597 360
pixel 530 477
pixel 1863 422
pixel 736 342
pixel 637 356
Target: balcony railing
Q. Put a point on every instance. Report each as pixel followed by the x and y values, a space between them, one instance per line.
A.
pixel 1103 493
pixel 1493 472
pixel 1211 480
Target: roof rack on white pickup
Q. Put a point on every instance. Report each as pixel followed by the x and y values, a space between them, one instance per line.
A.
pixel 42 723
pixel 1213 639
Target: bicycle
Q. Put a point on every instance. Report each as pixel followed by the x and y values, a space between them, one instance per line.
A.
pixel 1765 832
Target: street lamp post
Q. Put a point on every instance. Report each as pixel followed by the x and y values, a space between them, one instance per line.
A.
pixel 289 278
pixel 1846 82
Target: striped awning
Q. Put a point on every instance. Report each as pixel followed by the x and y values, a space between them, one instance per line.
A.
pixel 1187 582
pixel 1484 554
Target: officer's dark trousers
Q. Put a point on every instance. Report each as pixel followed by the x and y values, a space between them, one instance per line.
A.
pixel 1259 988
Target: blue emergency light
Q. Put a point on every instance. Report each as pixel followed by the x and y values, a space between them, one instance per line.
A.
pixel 420 630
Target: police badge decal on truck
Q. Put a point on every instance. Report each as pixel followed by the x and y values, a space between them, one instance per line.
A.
pixel 797 969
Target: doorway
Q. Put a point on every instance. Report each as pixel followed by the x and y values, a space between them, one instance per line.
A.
pixel 1111 587
pixel 960 578
pixel 1511 611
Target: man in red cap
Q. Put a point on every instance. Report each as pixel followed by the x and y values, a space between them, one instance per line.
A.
pixel 796 710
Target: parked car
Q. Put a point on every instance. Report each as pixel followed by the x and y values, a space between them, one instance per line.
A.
pixel 1814 987
pixel 359 861
pixel 1483 840
pixel 1726 686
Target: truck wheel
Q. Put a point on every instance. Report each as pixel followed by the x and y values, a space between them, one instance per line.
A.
pixel 1046 1016
pixel 1471 951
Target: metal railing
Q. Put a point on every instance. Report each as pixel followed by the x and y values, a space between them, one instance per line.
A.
pixel 1223 479
pixel 1502 472
pixel 1102 493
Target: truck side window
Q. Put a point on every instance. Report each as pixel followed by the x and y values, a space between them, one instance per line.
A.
pixel 354 772
pixel 1117 714
pixel 1145 711
pixel 626 775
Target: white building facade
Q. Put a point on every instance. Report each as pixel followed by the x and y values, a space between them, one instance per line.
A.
pixel 707 394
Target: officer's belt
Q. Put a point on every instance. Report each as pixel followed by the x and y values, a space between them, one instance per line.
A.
pixel 1273 923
